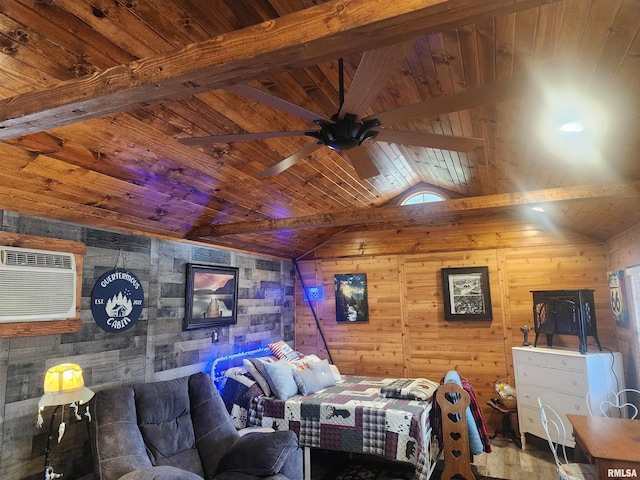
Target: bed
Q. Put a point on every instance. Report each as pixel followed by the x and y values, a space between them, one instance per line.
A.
pixel 351 416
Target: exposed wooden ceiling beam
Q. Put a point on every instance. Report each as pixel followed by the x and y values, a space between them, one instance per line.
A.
pixel 323 32
pixel 411 213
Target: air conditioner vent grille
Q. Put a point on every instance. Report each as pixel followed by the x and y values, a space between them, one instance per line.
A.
pixel 47 293
pixel 37 285
pixel 37 259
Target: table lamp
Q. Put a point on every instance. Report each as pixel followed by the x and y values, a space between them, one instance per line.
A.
pixel 63 384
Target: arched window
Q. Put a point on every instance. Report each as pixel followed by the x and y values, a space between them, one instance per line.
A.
pixel 423 197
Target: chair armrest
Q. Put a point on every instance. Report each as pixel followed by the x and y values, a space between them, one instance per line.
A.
pixel 261 453
pixel 164 472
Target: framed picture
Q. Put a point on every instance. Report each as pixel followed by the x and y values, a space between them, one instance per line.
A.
pixel 212 296
pixel 351 297
pixel 618 297
pixel 466 293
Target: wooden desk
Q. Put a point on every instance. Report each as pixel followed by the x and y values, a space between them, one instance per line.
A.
pixel 611 444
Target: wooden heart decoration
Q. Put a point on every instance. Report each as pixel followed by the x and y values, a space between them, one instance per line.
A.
pixel 455 435
pixel 456 453
pixel 452 397
pixel 454 417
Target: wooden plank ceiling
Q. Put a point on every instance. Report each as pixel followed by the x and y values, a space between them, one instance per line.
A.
pixel 97 97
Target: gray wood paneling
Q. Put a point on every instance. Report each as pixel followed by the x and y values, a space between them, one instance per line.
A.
pixel 155 348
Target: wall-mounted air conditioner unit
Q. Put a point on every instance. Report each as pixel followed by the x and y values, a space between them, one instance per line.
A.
pixel 36 285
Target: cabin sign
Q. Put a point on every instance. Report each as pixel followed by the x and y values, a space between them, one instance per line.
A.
pixel 117 300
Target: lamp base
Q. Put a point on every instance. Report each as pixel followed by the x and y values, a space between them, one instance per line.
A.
pixel 49 474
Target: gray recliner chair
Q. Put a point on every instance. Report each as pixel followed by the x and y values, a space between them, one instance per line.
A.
pixel 180 430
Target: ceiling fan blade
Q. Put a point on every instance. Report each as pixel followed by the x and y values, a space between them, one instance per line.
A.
pixel 290 161
pixel 361 161
pixel 238 137
pixel 474 97
pixel 432 140
pixel 265 98
pixel 376 67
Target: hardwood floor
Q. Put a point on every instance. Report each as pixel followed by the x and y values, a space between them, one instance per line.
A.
pixel 509 462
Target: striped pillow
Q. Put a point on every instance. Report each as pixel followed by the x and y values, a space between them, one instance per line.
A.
pixel 283 351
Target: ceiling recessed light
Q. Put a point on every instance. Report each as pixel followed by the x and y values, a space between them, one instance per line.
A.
pixel 572 127
pixel 537 209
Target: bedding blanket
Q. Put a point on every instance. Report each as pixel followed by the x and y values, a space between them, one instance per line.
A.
pixel 353 417
pixel 410 388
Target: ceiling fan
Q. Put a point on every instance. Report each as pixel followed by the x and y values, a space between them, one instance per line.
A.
pixel 347 130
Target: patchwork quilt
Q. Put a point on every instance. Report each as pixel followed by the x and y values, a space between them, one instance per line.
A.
pixel 353 417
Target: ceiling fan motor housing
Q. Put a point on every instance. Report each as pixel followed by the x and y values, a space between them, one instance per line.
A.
pixel 344 133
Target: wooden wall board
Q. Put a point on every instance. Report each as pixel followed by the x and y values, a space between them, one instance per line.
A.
pixel 408 336
pixel 624 251
pixel 156 348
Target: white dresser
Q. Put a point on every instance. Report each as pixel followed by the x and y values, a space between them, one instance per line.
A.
pixel 561 378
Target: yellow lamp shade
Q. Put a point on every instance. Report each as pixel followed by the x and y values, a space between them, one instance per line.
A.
pixel 64 384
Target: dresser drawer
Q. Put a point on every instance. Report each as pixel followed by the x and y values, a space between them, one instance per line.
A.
pixel 566 362
pixel 559 401
pixel 529 356
pixel 529 422
pixel 562 380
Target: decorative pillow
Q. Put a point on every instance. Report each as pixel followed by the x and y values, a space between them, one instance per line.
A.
pixel 310 359
pixel 230 372
pixel 336 373
pixel 322 370
pixel 298 364
pixel 282 350
pixel 307 381
pixel 280 378
pixel 255 367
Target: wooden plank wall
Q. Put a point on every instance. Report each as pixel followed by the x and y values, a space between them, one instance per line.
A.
pixel 624 251
pixel 156 348
pixel 407 334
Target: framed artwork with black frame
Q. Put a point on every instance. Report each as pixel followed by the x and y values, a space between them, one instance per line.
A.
pixel 466 293
pixel 351 297
pixel 211 296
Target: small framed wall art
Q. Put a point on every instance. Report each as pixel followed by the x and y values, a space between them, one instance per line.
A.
pixel 618 296
pixel 351 297
pixel 466 293
pixel 211 296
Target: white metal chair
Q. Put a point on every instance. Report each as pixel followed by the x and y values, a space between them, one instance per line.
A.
pixel 556 437
pixel 622 404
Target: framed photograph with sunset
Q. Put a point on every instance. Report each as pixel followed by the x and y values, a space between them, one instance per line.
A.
pixel 211 296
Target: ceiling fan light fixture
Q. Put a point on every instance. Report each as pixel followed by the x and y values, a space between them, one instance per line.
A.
pixel 344 133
